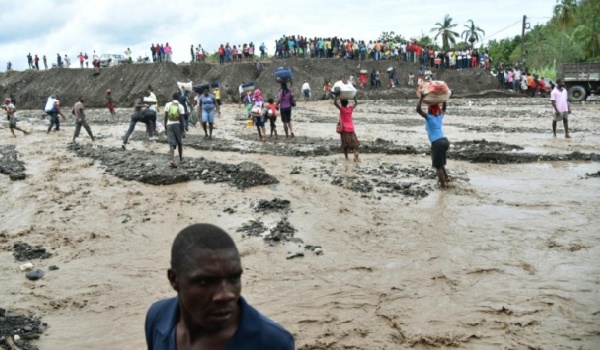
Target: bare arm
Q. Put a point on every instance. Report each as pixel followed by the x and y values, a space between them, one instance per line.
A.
pixel 166 117
pixel 335 102
pixel 419 109
pixel 355 103
pixel 554 106
pixel 444 107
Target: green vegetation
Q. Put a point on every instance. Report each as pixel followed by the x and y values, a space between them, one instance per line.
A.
pixel 445 31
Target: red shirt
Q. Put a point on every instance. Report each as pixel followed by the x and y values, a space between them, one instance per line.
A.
pixel 346 118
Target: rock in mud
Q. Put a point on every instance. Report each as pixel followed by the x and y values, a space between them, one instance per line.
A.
pixel 35 275
pixel 253 228
pixel 133 166
pixel 273 205
pixel 10 164
pixel 26 328
pixel 283 231
pixel 23 252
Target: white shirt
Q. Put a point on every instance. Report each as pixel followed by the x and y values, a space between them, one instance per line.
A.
pixel 241 89
pixel 168 107
pixel 305 86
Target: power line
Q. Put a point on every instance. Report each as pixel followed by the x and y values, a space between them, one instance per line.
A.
pixel 501 30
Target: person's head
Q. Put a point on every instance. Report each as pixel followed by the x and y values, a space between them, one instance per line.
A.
pixel 108 91
pixel 80 99
pixel 270 100
pixel 559 83
pixel 284 86
pixel 344 79
pixel 175 96
pixel 434 109
pixel 205 91
pixel 150 88
pixel 7 100
pixel 206 274
pixel 344 103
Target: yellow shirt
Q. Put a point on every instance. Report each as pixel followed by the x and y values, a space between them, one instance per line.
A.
pixel 217 94
pixel 328 43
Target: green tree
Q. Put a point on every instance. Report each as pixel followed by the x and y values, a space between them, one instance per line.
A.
pixel 390 37
pixel 471 34
pixel 444 30
pixel 564 14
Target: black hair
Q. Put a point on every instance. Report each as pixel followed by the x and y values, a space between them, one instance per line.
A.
pixel 344 103
pixel 80 99
pixel 176 96
pixel 196 237
pixel 284 88
pixel 270 100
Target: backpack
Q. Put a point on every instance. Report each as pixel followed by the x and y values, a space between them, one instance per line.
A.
pixel 174 112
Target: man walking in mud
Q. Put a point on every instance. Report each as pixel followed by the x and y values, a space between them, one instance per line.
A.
pixel 175 133
pixel 560 106
pixel 80 120
pixel 209 311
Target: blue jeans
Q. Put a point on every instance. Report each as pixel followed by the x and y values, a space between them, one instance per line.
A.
pixel 186 120
pixel 54 121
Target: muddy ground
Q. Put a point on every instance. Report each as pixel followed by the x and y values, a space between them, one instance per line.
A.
pixel 369 255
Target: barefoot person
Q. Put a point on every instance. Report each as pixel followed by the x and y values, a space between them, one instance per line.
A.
pixel 139 115
pixel 209 107
pixel 110 102
pixel 439 143
pixel 54 113
pixel 257 114
pixel 11 112
pixel 175 132
pixel 561 107
pixel 80 120
pixel 209 311
pixel 346 128
pixel 272 117
pixel 284 103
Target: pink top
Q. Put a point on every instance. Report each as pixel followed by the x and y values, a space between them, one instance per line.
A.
pixel 560 97
pixel 346 118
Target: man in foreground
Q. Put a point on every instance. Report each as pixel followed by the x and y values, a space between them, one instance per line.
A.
pixel 561 108
pixel 208 312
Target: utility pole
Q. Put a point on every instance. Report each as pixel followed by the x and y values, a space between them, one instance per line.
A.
pixel 523 39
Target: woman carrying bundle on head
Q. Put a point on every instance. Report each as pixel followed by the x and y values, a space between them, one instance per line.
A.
pixel 257 115
pixel 285 102
pixel 345 128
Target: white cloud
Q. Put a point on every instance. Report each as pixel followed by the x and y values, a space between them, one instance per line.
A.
pixel 110 26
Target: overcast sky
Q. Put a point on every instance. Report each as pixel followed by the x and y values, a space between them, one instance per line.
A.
pixel 48 27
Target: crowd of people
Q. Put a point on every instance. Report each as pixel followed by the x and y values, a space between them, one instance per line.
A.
pixel 513 78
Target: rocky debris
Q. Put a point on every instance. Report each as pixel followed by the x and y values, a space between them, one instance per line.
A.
pixel 26 267
pixel 24 252
pixel 229 210
pixel 153 169
pixel 283 231
pixel 35 275
pixel 296 170
pixel 253 228
pixel 22 328
pixel 273 205
pixel 53 268
pixel 387 179
pixel 296 254
pixel 596 174
pixel 131 80
pixel 10 164
pixel 315 249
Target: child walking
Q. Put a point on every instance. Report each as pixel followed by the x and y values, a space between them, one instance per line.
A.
pixel 346 128
pixel 271 112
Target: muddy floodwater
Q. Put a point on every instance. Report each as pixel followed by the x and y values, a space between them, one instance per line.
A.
pixel 369 255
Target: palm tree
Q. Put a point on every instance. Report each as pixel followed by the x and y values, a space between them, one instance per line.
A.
pixel 472 33
pixel 445 30
pixel 564 12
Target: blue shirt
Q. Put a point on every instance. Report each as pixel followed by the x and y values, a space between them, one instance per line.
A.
pixel 254 332
pixel 207 102
pixel 433 124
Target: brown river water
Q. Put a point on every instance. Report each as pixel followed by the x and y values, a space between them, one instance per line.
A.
pixel 507 258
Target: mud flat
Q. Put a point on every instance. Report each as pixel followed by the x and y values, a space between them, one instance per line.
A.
pixel 369 255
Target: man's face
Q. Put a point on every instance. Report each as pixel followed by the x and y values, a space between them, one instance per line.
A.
pixel 560 84
pixel 209 287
